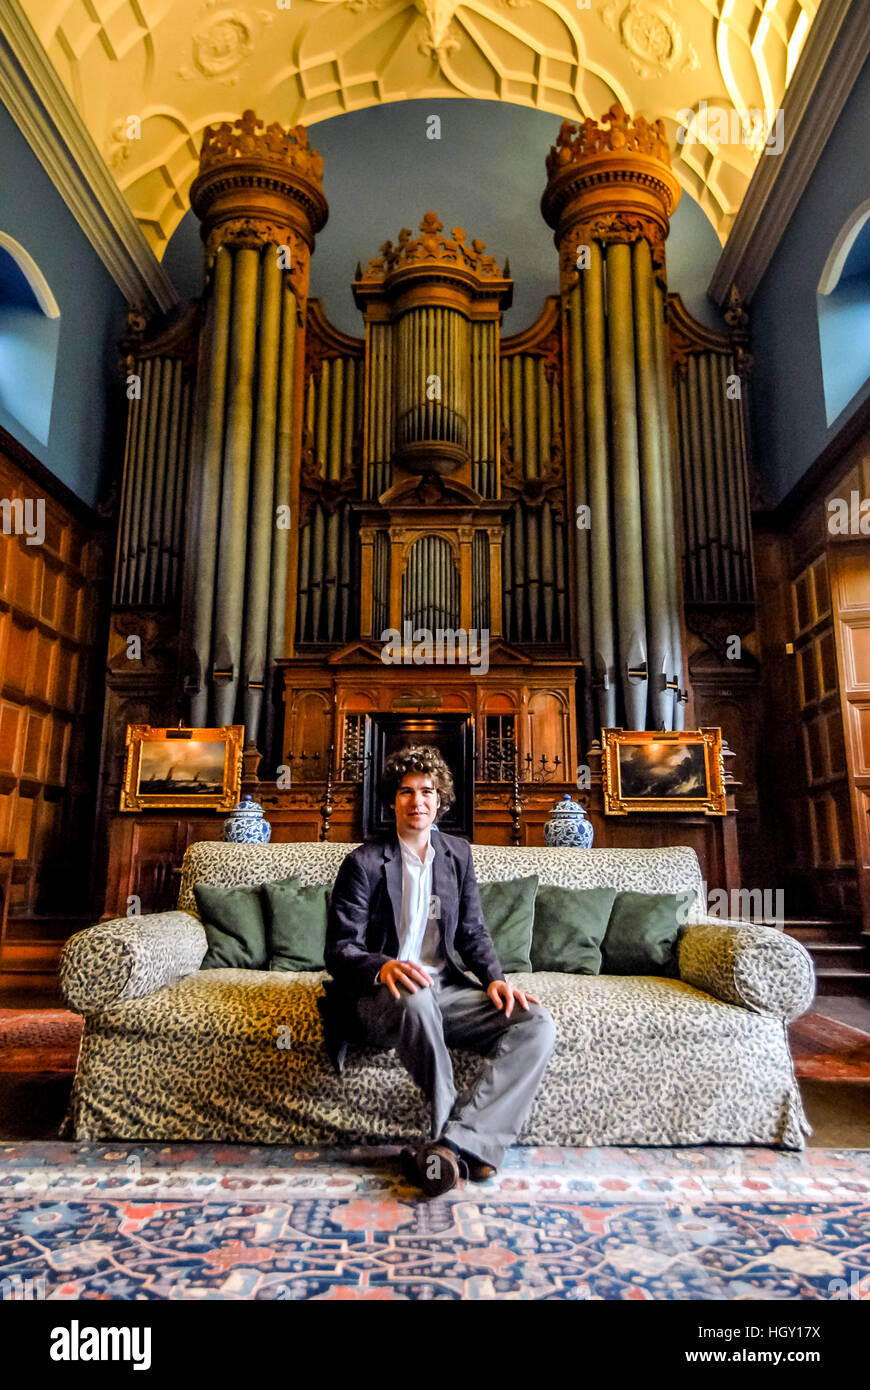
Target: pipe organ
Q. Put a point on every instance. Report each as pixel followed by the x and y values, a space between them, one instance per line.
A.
pixel 568 489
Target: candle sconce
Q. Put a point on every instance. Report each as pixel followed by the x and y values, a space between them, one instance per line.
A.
pixel 543 771
pixel 354 765
pixel 300 759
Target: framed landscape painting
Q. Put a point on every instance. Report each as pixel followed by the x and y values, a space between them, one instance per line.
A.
pixel 182 768
pixel 654 770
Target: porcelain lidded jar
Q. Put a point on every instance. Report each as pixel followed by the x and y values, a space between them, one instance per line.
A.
pixel 247 825
pixel 568 827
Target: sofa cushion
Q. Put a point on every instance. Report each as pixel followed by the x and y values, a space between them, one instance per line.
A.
pixel 509 912
pixel 641 936
pixel 234 926
pixel 295 924
pixel 569 928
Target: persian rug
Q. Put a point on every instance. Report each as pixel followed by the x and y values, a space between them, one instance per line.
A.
pixel 212 1222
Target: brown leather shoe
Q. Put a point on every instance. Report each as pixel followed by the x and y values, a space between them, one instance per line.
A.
pixel 479 1172
pixel 439 1168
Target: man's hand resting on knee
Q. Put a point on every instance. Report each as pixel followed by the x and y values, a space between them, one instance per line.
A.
pixel 503 995
pixel 405 973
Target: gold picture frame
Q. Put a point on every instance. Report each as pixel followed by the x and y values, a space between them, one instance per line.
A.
pixel 644 770
pixel 159 763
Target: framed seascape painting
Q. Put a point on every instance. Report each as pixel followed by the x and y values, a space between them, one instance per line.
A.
pixel 182 768
pixel 652 770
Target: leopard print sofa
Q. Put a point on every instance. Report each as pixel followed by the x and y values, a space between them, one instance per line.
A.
pixel 170 1052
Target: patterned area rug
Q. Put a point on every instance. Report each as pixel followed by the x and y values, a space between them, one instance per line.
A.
pixel 96 1221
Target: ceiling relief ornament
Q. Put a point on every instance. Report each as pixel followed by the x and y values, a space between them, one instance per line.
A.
pixel 432 247
pixel 322 58
pixel 222 44
pixel 441 36
pixel 651 35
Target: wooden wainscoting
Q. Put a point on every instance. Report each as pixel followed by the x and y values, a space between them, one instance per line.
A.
pixel 50 619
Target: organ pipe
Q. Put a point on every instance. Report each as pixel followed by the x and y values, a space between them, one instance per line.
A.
pixel 658 626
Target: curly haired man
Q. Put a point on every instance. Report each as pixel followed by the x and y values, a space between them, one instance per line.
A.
pixel 405 927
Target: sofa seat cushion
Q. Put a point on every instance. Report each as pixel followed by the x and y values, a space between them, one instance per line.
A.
pixel 638 1060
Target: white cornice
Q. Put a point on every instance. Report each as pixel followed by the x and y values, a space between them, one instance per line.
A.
pixel 46 116
pixel 834 54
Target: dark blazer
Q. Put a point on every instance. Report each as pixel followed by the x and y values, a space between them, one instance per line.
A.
pixel 363 920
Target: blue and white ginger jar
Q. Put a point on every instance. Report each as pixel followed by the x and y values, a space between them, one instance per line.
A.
pixel 247 825
pixel 568 827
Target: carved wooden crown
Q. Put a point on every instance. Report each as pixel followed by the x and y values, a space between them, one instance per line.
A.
pixel 247 138
pixel 432 247
pixel 618 133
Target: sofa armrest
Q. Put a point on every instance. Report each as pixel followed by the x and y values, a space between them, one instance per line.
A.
pixel 129 957
pixel 756 967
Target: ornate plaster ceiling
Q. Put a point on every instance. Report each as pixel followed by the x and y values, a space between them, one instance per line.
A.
pixel 148 75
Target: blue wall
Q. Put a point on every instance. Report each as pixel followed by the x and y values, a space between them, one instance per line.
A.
pixel 28 351
pixel 88 407
pixel 790 421
pixel 485 174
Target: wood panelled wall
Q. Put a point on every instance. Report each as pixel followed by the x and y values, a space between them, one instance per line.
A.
pixel 52 614
pixel 814 619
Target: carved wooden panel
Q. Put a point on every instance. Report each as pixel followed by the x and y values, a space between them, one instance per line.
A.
pixel 850 567
pixel 49 606
pixel 549 728
pixel 310 732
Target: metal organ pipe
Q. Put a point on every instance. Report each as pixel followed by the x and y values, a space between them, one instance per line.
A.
pixel 283 476
pixel 214 392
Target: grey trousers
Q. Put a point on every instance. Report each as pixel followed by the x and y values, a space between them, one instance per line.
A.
pixel 486 1120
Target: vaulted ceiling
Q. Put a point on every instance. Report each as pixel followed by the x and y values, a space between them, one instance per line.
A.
pixel 147 76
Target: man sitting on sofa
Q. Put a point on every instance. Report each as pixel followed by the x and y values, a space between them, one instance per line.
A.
pixel 404 925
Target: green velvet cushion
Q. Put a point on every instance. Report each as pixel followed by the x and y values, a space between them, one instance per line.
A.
pixel 295 924
pixel 641 936
pixel 569 928
pixel 509 912
pixel 234 927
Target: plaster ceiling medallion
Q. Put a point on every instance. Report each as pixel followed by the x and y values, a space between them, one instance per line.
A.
pixel 652 36
pixel 220 46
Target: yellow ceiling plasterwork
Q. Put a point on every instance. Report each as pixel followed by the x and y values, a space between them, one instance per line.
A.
pixel 147 76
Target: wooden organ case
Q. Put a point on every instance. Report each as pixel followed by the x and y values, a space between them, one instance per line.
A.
pixel 542 498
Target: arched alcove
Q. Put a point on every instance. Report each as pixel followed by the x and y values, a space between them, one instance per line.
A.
pixel 844 313
pixel 29 337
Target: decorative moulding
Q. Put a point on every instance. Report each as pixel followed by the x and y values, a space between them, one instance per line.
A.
pixel 47 118
pixel 833 56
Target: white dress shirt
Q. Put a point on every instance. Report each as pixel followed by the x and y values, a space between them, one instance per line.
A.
pixel 419 931
pixel 419 928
